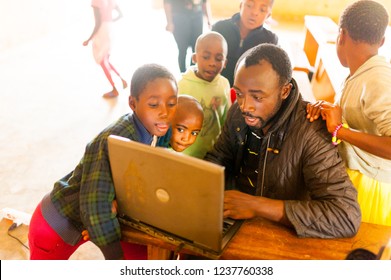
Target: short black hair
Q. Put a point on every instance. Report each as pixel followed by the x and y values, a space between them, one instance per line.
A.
pixel 148 73
pixel 273 54
pixel 365 21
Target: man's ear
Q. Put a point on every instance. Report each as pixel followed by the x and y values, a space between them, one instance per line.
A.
pixel 132 102
pixel 286 90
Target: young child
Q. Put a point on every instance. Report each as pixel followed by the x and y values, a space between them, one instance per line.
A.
pixel 101 40
pixel 244 31
pixel 83 199
pixel 204 82
pixel 361 117
pixel 187 123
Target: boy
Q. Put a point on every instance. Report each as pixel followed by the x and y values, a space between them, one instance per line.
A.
pixel 205 83
pixel 361 117
pixel 186 126
pixel 83 199
pixel 187 123
pixel 244 31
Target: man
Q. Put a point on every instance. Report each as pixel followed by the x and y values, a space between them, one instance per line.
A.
pixel 245 30
pixel 278 165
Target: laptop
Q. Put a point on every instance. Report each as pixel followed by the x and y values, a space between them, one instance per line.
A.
pixel 171 196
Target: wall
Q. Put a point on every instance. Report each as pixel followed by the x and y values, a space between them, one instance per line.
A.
pixel 22 21
pixel 292 10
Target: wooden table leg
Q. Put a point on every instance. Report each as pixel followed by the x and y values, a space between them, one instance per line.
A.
pixel 158 253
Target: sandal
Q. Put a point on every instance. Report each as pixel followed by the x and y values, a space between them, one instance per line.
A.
pixel 111 94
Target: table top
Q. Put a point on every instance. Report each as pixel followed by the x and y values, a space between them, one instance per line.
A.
pixel 262 239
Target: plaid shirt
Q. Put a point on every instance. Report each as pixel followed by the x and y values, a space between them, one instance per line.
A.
pixel 85 195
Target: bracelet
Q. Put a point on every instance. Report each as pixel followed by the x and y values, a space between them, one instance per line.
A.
pixel 334 139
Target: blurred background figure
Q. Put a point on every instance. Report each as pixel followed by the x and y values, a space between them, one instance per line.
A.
pixel 185 21
pixel 245 30
pixel 101 41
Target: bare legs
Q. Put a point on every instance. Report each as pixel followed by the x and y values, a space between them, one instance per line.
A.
pixel 107 68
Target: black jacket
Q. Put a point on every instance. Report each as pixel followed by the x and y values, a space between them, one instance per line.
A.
pixel 230 30
pixel 301 167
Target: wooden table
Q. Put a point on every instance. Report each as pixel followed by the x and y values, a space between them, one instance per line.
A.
pixel 329 74
pixel 261 239
pixel 319 30
pixel 319 46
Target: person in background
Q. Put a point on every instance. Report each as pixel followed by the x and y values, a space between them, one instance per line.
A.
pixel 245 30
pixel 83 201
pixel 204 82
pixel 187 123
pixel 185 20
pixel 360 120
pixel 278 165
pixel 101 41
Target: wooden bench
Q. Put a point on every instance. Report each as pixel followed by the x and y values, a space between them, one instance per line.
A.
pixel 304 84
pixel 329 75
pixel 319 30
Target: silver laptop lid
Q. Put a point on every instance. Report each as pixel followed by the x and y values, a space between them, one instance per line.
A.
pixel 174 192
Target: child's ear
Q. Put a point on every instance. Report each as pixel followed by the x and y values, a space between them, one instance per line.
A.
pixel 225 63
pixel 341 36
pixel 132 103
pixel 194 58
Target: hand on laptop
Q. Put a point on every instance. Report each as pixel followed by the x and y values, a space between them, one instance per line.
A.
pixel 239 205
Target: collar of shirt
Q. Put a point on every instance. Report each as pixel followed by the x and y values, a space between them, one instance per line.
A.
pixel 145 136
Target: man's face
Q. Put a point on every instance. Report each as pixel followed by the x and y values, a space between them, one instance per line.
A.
pixel 185 130
pixel 259 93
pixel 156 105
pixel 253 13
pixel 211 58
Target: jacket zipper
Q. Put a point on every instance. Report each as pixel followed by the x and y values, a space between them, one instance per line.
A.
pixel 264 164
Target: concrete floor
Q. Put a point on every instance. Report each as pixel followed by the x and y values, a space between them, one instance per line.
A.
pixel 51 106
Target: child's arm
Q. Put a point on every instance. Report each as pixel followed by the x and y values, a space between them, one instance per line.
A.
pixel 377 145
pixel 168 12
pixel 119 13
pixel 98 22
pixel 207 12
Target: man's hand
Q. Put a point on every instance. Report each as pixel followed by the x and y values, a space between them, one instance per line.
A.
pixel 238 205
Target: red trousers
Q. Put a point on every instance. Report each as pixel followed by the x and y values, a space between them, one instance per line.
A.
pixel 46 244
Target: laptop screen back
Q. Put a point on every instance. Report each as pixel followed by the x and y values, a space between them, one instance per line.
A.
pixel 173 192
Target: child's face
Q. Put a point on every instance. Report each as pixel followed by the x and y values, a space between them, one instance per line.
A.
pixel 253 13
pixel 210 57
pixel 185 130
pixel 156 105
